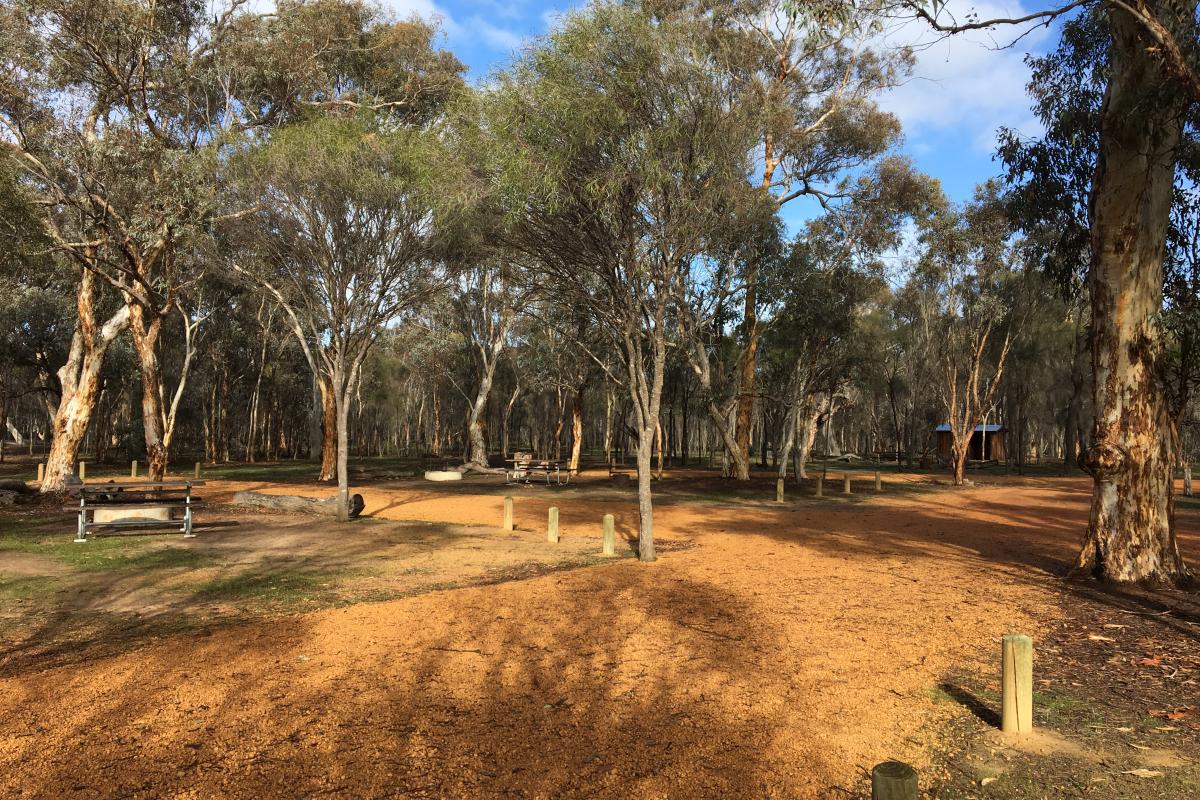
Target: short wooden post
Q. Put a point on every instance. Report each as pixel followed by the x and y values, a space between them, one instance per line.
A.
pixel 846 483
pixel 508 514
pixel 878 482
pixel 41 473
pixel 552 526
pixel 1016 674
pixel 83 470
pixel 197 474
pixel 779 490
pixel 893 780
pixel 610 535
pixel 133 469
pixel 820 481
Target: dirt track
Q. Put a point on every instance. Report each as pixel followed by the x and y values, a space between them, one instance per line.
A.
pixel 781 656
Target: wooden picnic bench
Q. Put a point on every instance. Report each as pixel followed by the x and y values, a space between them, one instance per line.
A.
pixel 136 504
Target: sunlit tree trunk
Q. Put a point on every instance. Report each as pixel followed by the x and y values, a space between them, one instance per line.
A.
pixel 80 381
pixel 576 428
pixel 342 446
pixel 1131 532
pixel 811 418
pixel 329 424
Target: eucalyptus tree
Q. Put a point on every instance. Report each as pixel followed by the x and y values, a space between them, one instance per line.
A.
pixel 835 271
pixel 1106 203
pixel 110 107
pixel 1152 89
pixel 615 154
pixel 118 112
pixel 345 241
pixel 968 257
pixel 485 300
pixel 815 73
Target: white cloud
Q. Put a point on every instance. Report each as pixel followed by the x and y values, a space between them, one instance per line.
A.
pixel 475 29
pixel 970 81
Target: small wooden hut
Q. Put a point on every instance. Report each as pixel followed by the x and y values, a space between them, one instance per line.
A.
pixel 987 443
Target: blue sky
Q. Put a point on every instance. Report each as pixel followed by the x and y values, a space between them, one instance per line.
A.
pixel 962 90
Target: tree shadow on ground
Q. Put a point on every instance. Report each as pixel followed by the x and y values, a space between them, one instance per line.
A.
pixel 535 693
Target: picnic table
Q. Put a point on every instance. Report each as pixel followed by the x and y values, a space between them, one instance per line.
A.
pixel 524 467
pixel 136 504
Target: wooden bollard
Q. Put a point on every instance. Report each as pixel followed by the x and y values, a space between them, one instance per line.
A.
pixel 1016 676
pixel 83 470
pixel 610 535
pixel 197 473
pixel 1187 480
pixel 41 473
pixel 846 483
pixel 779 490
pixel 878 481
pixel 508 514
pixel 133 469
pixel 893 780
pixel 820 480
pixel 552 526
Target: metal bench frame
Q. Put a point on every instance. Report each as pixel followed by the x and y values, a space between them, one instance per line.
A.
pixel 186 502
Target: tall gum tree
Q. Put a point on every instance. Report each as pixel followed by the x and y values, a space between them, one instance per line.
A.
pixel 811 71
pixel 615 154
pixel 118 110
pixel 344 241
pixel 1153 84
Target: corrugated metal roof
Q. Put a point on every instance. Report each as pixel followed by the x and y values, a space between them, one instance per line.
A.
pixel 985 428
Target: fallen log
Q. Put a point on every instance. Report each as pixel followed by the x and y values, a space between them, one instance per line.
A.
pixel 292 502
pixel 15 485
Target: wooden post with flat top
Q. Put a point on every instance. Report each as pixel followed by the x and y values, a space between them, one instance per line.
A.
pixel 779 490
pixel 83 470
pixel 878 481
pixel 508 514
pixel 820 480
pixel 133 469
pixel 197 470
pixel 552 526
pixel 846 483
pixel 610 535
pixel 1016 677
pixel 41 473
pixel 893 780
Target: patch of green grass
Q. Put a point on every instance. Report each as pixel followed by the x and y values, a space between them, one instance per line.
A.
pixel 107 552
pixel 25 587
pixel 277 587
pixel 1063 711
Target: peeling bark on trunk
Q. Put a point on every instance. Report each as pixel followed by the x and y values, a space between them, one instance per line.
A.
pixel 810 435
pixel 576 429
pixel 80 382
pixel 1131 533
pixel 476 422
pixel 746 387
pixel 328 431
pixel 315 415
pixel 145 344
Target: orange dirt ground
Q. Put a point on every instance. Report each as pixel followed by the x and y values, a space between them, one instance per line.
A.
pixel 781 655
